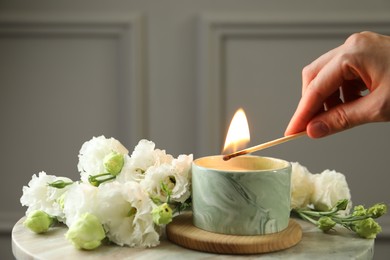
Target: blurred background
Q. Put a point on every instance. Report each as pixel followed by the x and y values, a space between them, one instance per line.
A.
pixel 173 72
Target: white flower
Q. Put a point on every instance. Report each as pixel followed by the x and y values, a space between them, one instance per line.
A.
pixel 171 178
pixel 143 157
pixel 125 212
pixel 182 190
pixel 92 153
pixel 123 209
pixel 156 177
pixel 329 188
pixel 144 228
pixel 129 171
pixel 81 198
pixel 122 201
pixel 301 186
pixel 38 195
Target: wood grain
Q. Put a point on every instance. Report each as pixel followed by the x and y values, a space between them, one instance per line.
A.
pixel 182 232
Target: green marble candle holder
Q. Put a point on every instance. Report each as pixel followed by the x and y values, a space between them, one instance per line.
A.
pixel 247 195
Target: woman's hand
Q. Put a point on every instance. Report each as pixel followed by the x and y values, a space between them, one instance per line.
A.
pixel 362 63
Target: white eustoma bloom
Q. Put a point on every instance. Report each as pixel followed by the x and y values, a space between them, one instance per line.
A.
pixel 38 195
pixel 143 226
pixel 129 171
pixel 142 158
pixel 81 198
pixel 175 177
pixel 125 212
pixel 145 155
pixel 156 177
pixel 92 154
pixel 301 186
pixel 182 190
pixel 329 188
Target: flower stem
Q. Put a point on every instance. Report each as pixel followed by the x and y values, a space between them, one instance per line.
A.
pixel 318 213
pixel 304 216
pixel 93 179
pixel 360 221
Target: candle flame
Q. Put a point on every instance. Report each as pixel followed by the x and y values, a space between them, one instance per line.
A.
pixel 238 134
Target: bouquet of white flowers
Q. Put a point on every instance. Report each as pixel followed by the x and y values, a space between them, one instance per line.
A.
pixel 128 199
pixel 124 198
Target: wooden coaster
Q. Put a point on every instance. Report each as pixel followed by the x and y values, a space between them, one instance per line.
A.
pixel 182 232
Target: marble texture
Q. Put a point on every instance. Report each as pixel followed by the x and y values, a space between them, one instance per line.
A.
pixel 251 199
pixel 340 244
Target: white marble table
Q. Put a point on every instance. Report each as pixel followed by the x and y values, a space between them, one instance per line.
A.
pixel 340 244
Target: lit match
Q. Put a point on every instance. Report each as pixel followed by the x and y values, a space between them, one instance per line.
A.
pixel 263 146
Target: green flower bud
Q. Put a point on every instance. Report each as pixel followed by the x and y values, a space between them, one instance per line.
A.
pixel 59 184
pixel 325 223
pixel 342 204
pixel 113 163
pixel 86 233
pixel 162 214
pixel 359 211
pixel 367 228
pixel 377 210
pixel 38 221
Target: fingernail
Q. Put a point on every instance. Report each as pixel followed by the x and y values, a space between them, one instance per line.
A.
pixel 318 129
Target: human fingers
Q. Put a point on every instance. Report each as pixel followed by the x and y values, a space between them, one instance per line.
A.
pixel 310 71
pixel 327 81
pixel 352 90
pixel 347 115
pixel 349 91
pixel 333 100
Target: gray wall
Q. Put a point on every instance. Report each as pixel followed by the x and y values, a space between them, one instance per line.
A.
pixel 173 72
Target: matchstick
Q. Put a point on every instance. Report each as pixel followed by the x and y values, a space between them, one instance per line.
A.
pixel 263 146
